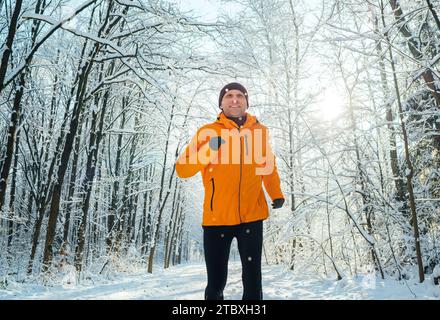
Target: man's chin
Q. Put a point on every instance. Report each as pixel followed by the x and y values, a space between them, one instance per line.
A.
pixel 236 113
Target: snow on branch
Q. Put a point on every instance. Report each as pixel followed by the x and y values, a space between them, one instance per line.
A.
pixel 86 35
pixel 354 35
pixel 427 66
pixel 56 26
pixel 135 4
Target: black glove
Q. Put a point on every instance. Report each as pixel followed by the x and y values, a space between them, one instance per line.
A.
pixel 215 143
pixel 277 203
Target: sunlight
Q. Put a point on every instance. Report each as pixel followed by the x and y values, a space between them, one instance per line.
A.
pixel 331 104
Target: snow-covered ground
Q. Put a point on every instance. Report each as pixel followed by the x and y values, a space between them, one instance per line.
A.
pixel 187 282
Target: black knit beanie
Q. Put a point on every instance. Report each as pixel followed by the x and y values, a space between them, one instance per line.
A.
pixel 232 86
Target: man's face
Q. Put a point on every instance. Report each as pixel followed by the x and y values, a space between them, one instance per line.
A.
pixel 234 104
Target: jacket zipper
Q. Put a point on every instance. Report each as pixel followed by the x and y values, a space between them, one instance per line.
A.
pixel 212 195
pixel 239 183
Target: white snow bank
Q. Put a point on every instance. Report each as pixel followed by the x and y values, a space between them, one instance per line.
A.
pixel 187 282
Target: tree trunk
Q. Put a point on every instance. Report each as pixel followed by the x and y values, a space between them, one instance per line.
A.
pixel 70 207
pixel 68 146
pixel 161 204
pixel 177 252
pixel 112 223
pixel 148 202
pixel 9 43
pixel 11 210
pixel 12 131
pixel 434 14
pixel 330 238
pixel 43 196
pixel 394 162
pixel 96 134
pixel 127 200
pixel 36 234
pixel 415 49
pixel 171 225
pixel 410 169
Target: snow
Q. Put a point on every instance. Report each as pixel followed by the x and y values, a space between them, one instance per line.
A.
pixel 436 271
pixel 187 282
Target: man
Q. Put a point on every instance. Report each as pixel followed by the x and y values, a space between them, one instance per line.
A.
pixel 235 159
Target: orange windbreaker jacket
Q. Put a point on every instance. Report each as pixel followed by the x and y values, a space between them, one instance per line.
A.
pixel 234 174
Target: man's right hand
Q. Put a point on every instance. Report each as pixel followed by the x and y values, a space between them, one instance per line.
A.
pixel 215 143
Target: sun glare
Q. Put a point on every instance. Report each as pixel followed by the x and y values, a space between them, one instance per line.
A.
pixel 331 104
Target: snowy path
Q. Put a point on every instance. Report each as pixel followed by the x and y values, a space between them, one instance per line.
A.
pixel 187 282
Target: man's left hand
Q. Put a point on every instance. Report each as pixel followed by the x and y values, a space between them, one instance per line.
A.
pixel 277 203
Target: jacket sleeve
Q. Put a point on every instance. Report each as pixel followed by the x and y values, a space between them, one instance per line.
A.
pixel 272 184
pixel 271 179
pixel 196 156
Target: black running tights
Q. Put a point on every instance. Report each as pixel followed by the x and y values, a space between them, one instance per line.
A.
pixel 217 243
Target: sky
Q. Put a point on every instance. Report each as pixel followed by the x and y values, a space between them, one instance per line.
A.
pixel 330 103
pixel 205 9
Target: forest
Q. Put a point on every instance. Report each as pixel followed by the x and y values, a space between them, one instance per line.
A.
pixel 99 97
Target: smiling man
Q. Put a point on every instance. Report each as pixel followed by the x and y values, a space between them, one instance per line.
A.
pixel 235 159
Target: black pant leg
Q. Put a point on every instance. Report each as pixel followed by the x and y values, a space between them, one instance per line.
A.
pixel 250 243
pixel 216 243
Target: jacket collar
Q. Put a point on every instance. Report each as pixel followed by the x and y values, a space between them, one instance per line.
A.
pixel 228 123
